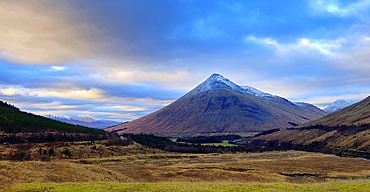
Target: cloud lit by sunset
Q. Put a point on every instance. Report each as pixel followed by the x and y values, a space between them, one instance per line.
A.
pixel 121 60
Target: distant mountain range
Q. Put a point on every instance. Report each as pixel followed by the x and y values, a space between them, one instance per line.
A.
pixel 13 120
pixel 338 104
pixel 84 120
pixel 219 106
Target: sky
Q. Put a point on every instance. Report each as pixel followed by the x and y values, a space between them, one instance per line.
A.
pixel 121 60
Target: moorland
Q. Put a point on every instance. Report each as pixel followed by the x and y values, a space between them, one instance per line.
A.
pixel 127 165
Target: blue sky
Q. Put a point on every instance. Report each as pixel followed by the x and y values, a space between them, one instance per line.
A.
pixel 121 60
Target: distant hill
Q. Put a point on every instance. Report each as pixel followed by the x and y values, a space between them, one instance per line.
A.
pixel 338 104
pixel 348 128
pixel 355 114
pixel 84 120
pixel 12 120
pixel 219 106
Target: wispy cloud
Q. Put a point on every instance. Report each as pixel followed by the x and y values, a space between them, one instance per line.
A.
pixel 303 46
pixel 337 8
pixel 62 93
pixel 125 59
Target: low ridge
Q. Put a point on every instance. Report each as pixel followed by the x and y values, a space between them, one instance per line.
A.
pixel 355 114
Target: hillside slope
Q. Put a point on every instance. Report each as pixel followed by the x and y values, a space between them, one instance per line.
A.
pixel 356 114
pixel 348 128
pixel 219 106
pixel 12 120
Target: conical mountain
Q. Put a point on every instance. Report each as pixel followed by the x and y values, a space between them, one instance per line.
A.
pixel 219 106
pixel 355 114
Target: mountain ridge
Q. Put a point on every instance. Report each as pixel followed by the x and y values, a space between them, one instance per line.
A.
pixel 84 120
pixel 338 104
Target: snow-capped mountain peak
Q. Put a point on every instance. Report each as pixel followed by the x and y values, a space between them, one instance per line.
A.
pixel 86 118
pixel 256 92
pixel 338 104
pixel 218 81
pixel 56 117
pixel 213 82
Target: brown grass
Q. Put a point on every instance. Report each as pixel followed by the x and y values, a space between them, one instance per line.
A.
pixel 334 139
pixel 174 167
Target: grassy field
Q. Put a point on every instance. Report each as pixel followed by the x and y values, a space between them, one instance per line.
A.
pixel 136 167
pixel 289 166
pixel 182 187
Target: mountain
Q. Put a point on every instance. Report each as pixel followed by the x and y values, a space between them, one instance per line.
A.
pixel 14 120
pixel 338 104
pixel 57 117
pixel 355 114
pixel 347 128
pixel 219 106
pixel 84 120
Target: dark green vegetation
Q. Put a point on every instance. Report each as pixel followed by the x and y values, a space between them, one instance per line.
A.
pixel 149 140
pixel 20 127
pixel 267 132
pixel 12 120
pixel 168 145
pixel 209 139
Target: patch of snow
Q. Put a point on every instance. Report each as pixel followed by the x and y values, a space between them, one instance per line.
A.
pixel 256 92
pixel 85 118
pixel 338 104
pixel 218 81
pixel 56 117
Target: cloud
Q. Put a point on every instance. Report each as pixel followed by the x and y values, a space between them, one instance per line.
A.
pixel 325 100
pixel 173 79
pixel 34 32
pixel 336 8
pixel 92 93
pixel 302 46
pixel 58 68
pixel 13 91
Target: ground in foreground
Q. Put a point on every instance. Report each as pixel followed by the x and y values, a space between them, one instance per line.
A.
pixel 331 186
pixel 149 167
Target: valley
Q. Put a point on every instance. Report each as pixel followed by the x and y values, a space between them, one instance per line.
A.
pixel 223 137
